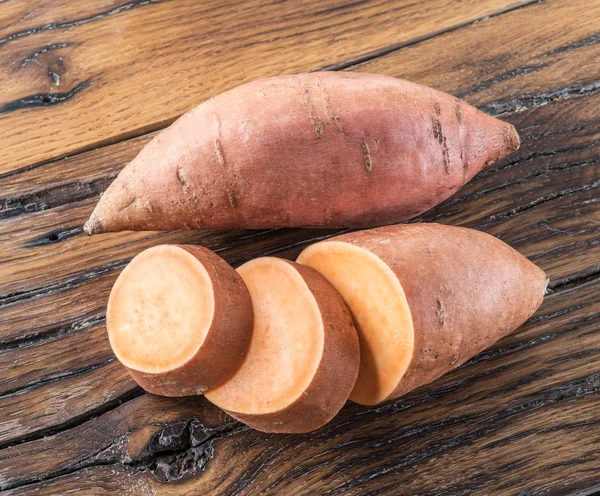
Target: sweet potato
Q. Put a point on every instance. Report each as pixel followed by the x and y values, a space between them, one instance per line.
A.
pixel 328 149
pixel 303 357
pixel 180 319
pixel 425 298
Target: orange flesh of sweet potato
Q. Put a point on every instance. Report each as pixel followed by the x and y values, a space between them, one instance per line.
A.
pixel 160 310
pixel 287 344
pixel 380 312
pixel 303 358
pixel 425 298
pixel 327 149
pixel 179 318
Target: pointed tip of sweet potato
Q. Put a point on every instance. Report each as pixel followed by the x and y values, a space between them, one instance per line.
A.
pixel 512 138
pixel 93 226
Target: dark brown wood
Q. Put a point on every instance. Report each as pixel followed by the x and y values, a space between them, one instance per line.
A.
pixel 533 389
pixel 521 416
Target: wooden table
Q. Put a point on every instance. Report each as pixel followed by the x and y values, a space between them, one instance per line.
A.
pixel 84 85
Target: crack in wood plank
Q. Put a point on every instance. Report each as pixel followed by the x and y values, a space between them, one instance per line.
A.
pixel 77 22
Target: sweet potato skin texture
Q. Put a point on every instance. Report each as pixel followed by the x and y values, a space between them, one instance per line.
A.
pixel 465 289
pixel 226 343
pixel 328 149
pixel 335 376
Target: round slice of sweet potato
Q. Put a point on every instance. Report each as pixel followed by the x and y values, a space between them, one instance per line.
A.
pixel 180 319
pixel 303 358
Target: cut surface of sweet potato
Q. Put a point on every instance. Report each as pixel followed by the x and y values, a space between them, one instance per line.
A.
pixel 287 345
pixel 160 310
pixel 303 357
pixel 179 318
pixel 380 312
pixel 425 298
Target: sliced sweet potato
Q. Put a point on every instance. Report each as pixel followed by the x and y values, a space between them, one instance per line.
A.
pixel 425 298
pixel 304 356
pixel 180 319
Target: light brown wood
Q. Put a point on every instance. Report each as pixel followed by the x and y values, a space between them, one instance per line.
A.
pixel 77 76
pixel 519 417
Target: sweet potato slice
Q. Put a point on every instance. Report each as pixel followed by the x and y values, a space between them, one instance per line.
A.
pixel 425 298
pixel 304 355
pixel 180 319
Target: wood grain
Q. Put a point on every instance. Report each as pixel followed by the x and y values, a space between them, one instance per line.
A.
pixel 527 390
pixel 60 70
pixel 521 416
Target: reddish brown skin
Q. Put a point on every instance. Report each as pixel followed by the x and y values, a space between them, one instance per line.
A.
pixel 337 372
pixel 465 290
pixel 226 342
pixel 327 149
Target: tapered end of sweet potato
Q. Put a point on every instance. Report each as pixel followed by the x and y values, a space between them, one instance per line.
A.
pixel 93 226
pixel 501 139
pixel 513 140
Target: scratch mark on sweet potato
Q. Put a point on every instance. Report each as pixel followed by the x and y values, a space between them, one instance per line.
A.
pixel 458 111
pixel 319 128
pixel 232 200
pixel 328 109
pixel 367 155
pixel 438 133
pixel 219 152
pixel 184 185
pixel 180 176
pixel 221 159
pixel 441 313
pixel 217 142
pixel 437 130
pixel 131 202
pixel 317 123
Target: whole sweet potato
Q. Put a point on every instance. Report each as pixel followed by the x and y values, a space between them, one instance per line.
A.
pixel 425 298
pixel 329 149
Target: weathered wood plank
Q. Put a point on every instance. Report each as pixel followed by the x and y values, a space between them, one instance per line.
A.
pixel 96 481
pixel 523 231
pixel 138 432
pixel 42 408
pixel 507 418
pixel 65 91
pixel 46 361
pixel 44 276
pixel 73 179
pixel 513 418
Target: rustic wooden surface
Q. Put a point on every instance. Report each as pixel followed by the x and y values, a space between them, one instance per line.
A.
pixel 82 89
